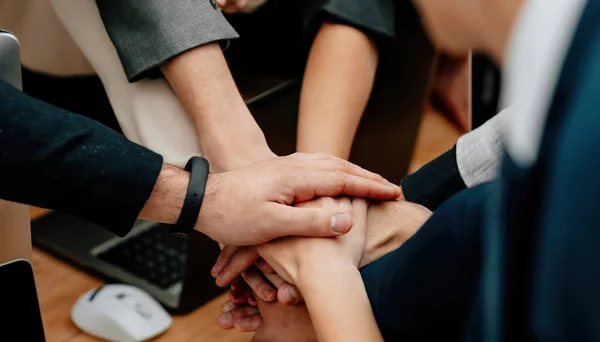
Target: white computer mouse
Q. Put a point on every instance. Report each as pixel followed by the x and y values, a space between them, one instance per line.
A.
pixel 120 313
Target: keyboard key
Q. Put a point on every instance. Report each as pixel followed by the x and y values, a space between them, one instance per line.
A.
pixel 154 255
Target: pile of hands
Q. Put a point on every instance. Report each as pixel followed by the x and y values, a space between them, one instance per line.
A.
pixel 271 270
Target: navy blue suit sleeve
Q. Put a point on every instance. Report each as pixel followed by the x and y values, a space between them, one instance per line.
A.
pixel 424 291
pixel 435 182
pixel 55 159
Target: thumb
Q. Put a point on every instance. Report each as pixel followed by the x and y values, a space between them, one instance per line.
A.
pixel 222 3
pixel 314 222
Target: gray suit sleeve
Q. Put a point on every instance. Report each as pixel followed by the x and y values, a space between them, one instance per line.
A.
pixel 146 33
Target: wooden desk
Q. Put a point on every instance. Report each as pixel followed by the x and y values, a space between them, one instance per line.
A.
pixel 59 285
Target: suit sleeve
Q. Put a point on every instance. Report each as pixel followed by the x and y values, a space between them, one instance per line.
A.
pixel 147 33
pixel 475 159
pixel 381 19
pixel 55 159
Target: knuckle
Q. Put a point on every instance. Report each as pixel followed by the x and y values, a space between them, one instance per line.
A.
pixel 339 177
pixel 341 164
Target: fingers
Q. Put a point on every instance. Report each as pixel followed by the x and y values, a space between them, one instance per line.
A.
pixel 225 256
pixel 259 285
pixel 264 266
pixel 331 183
pixel 233 6
pixel 287 294
pixel 313 222
pixel 326 162
pixel 238 263
pixel 360 206
pixel 244 318
pixel 240 292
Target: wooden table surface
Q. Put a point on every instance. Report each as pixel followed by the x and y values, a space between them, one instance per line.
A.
pixel 59 285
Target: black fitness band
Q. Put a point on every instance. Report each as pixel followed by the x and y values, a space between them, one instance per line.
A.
pixel 198 168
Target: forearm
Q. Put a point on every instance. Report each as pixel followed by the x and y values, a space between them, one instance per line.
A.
pixel 336 88
pixel 63 161
pixel 389 225
pixel 167 197
pixel 337 302
pixel 203 83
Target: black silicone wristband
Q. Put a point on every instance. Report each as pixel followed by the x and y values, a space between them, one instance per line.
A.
pixel 198 168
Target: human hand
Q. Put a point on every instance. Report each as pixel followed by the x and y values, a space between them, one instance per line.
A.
pixel 290 256
pixel 234 262
pixel 252 205
pixel 240 6
pixel 272 322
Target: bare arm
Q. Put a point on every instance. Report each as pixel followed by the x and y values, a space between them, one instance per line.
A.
pixel 337 85
pixel 228 135
pixel 338 304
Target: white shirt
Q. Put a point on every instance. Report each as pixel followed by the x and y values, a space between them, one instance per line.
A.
pixel 536 51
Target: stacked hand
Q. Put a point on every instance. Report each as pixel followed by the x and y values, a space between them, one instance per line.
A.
pixel 288 258
pixel 389 225
pixel 252 205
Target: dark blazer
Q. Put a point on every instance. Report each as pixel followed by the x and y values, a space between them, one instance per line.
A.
pixel 542 271
pixel 55 159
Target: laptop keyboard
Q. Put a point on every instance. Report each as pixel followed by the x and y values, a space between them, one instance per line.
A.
pixel 155 255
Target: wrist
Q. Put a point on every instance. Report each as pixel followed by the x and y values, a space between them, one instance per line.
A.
pixel 167 197
pixel 226 154
pixel 314 273
pixel 213 184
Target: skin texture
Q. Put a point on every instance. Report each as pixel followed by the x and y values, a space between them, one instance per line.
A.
pixel 251 205
pixel 204 85
pixel 240 6
pixel 337 85
pixel 389 225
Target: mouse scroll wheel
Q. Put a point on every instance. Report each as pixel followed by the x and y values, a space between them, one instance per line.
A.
pixel 143 311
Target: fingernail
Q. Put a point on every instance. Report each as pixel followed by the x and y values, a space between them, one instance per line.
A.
pixel 225 318
pixel 215 270
pixel 227 306
pixel 252 301
pixel 292 293
pixel 221 2
pixel 341 223
pixel 221 278
pixel 269 294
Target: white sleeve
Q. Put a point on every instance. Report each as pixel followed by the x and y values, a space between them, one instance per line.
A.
pixel 148 111
pixel 479 152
